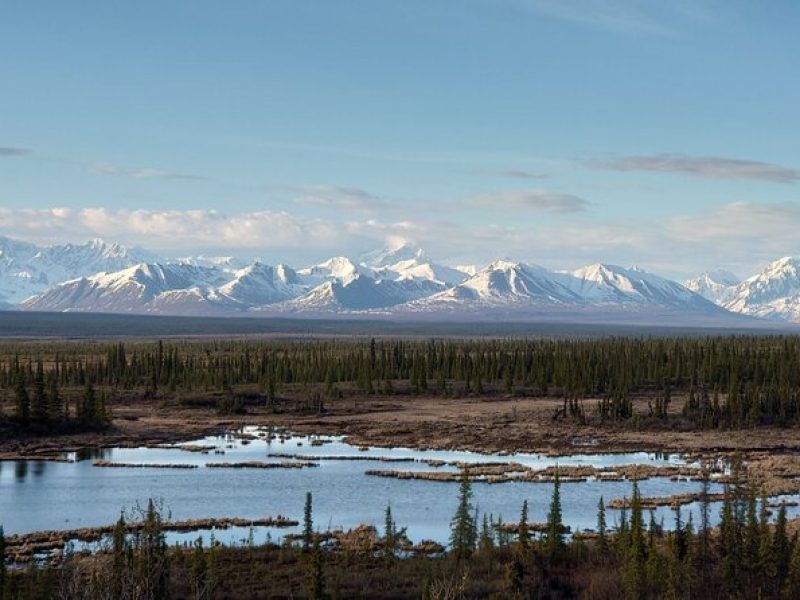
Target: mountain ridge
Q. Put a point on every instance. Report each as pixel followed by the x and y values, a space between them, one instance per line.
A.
pixel 400 281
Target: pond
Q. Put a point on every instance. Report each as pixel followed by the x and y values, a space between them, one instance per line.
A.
pixel 69 495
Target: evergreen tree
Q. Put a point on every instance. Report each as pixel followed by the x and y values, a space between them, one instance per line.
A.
pixel 636 555
pixel 119 562
pixel 308 524
pixel 22 404
pixel 523 526
pixel 462 527
pixel 55 407
pixel 554 534
pixel 316 579
pixel 602 537
pixel 781 547
pixel 390 535
pixel 39 403
pixel 486 539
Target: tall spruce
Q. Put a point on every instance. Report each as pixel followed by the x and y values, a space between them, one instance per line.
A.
pixel 462 526
pixel 554 533
pixel 308 523
pixel 22 401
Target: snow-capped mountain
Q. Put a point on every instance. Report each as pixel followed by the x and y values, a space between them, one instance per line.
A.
pixel 259 284
pixel 774 293
pixel 145 287
pixel 338 268
pixel 423 271
pixel 611 284
pixel 27 269
pixel 599 288
pixel 504 282
pixel 361 292
pixel 716 286
pixel 399 281
pixel 393 254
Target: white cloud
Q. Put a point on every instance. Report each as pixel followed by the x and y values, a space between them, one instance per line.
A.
pixel 170 230
pixel 737 236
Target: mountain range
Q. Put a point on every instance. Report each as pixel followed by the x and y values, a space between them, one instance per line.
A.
pixel 399 282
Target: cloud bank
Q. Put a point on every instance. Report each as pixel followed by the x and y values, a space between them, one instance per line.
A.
pixel 737 236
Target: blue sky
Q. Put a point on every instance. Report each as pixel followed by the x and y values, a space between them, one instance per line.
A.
pixel 560 132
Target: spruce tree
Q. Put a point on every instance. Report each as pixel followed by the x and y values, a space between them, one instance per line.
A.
pixel 462 527
pixel 390 535
pixel 636 555
pixel 308 524
pixel 602 537
pixel 523 526
pixel 55 407
pixel 22 404
pixel 554 534
pixel 316 581
pixel 39 403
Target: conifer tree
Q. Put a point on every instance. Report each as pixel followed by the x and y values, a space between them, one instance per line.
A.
pixel 486 539
pixel 602 537
pixel 308 524
pixel 316 581
pixel 55 406
pixel 523 526
pixel 390 535
pixel 462 527
pixel 39 403
pixel 22 402
pixel 636 555
pixel 554 534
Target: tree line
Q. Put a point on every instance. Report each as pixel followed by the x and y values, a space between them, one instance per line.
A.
pixel 723 382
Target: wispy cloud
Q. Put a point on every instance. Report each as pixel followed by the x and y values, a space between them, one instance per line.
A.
pixel 709 167
pixel 12 151
pixel 141 173
pixel 540 200
pixel 338 197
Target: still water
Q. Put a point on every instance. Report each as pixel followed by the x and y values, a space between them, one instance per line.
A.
pixel 49 495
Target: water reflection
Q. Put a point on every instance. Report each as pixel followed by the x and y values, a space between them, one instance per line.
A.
pixel 93 453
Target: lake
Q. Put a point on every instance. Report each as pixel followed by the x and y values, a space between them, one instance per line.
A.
pixel 53 495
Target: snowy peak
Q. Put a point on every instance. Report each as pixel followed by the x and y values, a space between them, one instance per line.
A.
pixel 259 284
pixel 338 268
pixel 774 293
pixel 393 254
pixel 504 282
pixel 130 290
pixel 361 293
pixel 27 269
pixel 413 269
pixel 716 286
pixel 611 283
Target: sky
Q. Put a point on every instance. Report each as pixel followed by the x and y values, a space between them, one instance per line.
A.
pixel 557 132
